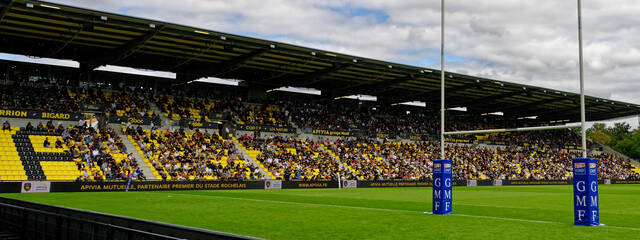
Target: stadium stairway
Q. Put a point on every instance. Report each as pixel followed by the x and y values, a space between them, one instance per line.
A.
pixel 166 122
pixel 251 158
pixel 144 165
pixel 335 158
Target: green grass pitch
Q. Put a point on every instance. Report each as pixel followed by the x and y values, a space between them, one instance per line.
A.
pixel 509 212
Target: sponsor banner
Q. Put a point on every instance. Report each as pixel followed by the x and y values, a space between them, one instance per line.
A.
pixel 572 147
pixel 350 184
pixel 607 181
pixel 425 137
pixel 394 183
pixel 273 184
pixel 71 116
pixel 417 138
pixel 472 183
pixel 310 184
pixel 203 124
pixel 585 192
pixel 536 182
pixel 503 143
pixel 497 182
pixel 613 181
pixel 35 187
pixel 457 140
pixel 345 133
pixel 196 124
pixel 265 128
pixel 133 120
pixel 153 186
pixel 17 187
pixel 384 135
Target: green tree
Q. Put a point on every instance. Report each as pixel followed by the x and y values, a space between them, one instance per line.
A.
pixel 600 137
pixel 619 137
pixel 630 145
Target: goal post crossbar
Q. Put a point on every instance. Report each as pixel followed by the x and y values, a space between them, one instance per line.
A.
pixel 521 129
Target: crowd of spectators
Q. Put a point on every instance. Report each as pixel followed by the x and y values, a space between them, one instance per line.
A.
pixel 183 155
pixel 292 159
pixel 194 109
pixel 100 154
pixel 123 104
pixel 207 109
pixel 38 97
pixel 195 155
pixel 373 159
pixel 370 159
pixel 553 138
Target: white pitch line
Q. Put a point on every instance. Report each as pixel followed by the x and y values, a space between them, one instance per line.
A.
pixel 480 205
pixel 387 209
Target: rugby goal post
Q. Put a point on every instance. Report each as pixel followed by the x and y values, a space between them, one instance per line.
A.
pixel 584 169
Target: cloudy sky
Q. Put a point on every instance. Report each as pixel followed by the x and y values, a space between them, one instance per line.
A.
pixel 531 42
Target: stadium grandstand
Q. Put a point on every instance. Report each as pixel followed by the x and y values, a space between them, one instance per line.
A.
pixel 371 144
pixel 82 124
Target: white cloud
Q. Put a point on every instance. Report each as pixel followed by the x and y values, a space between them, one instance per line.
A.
pixel 531 42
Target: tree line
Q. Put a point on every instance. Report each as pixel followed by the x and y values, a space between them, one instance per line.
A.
pixel 619 137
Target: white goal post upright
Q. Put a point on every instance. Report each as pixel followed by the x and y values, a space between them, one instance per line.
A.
pixel 583 130
pixel 442 109
pixel 586 212
pixel 582 101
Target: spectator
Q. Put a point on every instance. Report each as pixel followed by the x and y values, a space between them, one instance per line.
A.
pixel 6 126
pixel 46 143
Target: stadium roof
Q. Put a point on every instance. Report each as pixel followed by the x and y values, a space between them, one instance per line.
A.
pixel 95 38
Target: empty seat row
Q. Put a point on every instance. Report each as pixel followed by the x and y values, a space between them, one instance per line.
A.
pixel 47 158
pixel 32 132
pixel 34 172
pixel 46 154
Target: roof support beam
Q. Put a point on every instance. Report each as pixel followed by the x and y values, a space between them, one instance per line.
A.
pixel 435 95
pixel 200 53
pixel 132 47
pixel 319 75
pixel 372 88
pixel 532 104
pixel 5 10
pixel 566 113
pixel 236 63
pixel 479 101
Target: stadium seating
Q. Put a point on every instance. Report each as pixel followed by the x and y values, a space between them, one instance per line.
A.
pixel 373 160
pixel 188 108
pixel 293 159
pixel 194 109
pixel 253 154
pixel 191 154
pixel 11 168
pixel 183 155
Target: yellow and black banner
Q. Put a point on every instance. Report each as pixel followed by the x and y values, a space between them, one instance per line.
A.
pixel 132 120
pixel 71 116
pixel 458 140
pixel 384 135
pixel 309 184
pixel 345 133
pixel 153 186
pixel 265 128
